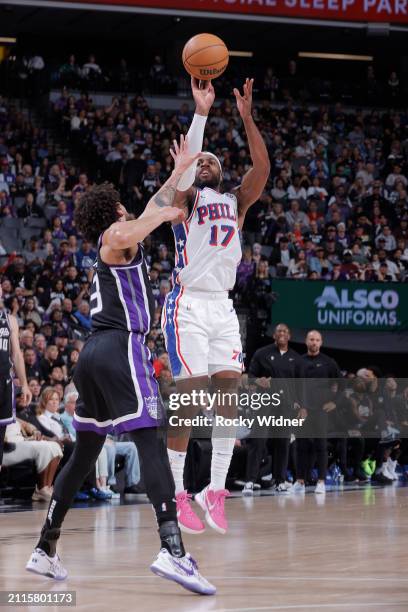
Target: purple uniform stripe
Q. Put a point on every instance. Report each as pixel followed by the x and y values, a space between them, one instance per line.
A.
pixel 135 321
pixel 134 301
pixel 132 424
pixel 143 421
pixel 140 303
pixel 147 382
pixel 143 367
pixel 99 429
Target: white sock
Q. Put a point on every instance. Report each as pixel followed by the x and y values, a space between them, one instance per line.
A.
pixel 177 460
pixel 220 461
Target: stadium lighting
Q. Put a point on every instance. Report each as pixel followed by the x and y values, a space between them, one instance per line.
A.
pixel 7 40
pixel 336 56
pixel 241 53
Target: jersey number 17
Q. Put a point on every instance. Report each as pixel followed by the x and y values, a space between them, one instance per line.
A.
pixel 229 231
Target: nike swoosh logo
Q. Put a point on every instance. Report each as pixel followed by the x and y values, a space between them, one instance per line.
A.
pixel 210 506
pixel 189 572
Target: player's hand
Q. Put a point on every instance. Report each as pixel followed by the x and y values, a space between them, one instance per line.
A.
pixel 244 103
pixel 27 395
pixel 181 155
pixel 329 406
pixel 173 214
pixel 204 98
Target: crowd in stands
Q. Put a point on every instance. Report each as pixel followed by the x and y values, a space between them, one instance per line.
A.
pixel 36 74
pixel 335 207
pixel 290 79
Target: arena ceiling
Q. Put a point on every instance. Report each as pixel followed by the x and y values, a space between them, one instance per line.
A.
pixel 39 21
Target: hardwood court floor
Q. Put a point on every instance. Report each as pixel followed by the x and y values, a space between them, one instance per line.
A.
pixel 344 551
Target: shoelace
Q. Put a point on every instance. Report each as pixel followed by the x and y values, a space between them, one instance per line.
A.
pixel 220 498
pixel 184 499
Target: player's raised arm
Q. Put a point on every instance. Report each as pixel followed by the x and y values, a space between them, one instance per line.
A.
pixel 184 158
pixel 122 236
pixel 254 181
pixel 204 99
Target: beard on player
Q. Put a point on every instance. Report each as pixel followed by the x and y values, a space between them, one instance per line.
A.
pixel 207 177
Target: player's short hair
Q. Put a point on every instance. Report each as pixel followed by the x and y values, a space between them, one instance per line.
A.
pixel 314 331
pixel 97 209
pixel 281 325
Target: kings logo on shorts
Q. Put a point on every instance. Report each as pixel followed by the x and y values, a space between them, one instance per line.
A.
pixel 152 406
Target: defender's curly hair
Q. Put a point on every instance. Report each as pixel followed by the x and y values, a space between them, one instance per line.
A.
pixel 96 211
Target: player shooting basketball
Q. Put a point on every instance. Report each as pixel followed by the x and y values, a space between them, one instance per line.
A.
pixel 199 321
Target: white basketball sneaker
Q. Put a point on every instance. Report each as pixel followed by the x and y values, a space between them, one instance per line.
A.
pixel 183 570
pixel 320 487
pixel 284 487
pixel 41 563
pixel 298 487
pixel 248 489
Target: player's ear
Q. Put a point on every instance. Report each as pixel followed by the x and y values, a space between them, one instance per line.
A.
pixel 121 210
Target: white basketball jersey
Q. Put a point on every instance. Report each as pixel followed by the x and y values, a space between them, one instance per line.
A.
pixel 208 247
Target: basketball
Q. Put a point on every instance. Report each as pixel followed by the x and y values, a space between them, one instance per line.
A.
pixel 205 56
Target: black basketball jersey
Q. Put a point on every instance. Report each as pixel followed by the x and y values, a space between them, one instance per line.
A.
pixel 5 343
pixel 121 296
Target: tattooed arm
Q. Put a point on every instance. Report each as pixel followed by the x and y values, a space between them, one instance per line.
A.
pixel 121 239
pixel 166 196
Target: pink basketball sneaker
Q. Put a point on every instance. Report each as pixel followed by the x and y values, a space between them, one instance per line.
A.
pixel 187 519
pixel 212 502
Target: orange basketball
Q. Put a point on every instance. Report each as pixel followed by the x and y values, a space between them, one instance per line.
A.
pixel 205 56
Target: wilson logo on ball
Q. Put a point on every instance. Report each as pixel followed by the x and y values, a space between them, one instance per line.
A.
pixel 212 71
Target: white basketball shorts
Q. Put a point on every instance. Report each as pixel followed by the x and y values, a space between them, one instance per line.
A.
pixel 201 330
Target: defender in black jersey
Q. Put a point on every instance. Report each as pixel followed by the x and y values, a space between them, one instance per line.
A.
pixel 6 381
pixel 114 376
pixel 10 356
